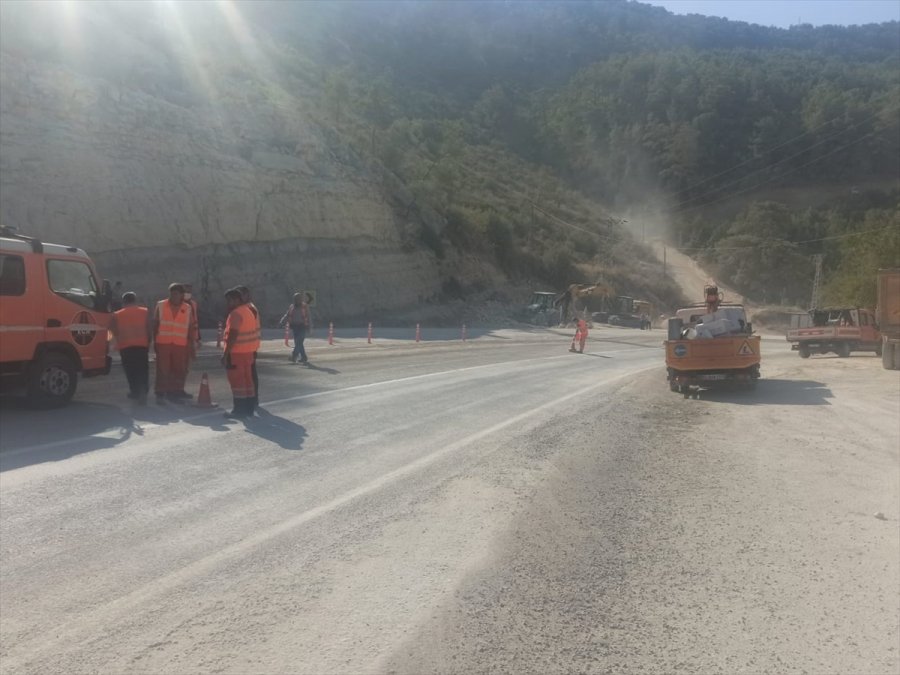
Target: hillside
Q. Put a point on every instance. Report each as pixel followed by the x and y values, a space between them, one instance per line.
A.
pixel 398 157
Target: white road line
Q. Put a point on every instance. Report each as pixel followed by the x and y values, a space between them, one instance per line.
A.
pixel 129 602
pixel 122 432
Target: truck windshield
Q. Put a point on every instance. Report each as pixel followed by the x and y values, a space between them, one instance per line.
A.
pixel 72 280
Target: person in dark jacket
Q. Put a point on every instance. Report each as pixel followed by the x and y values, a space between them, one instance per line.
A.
pixel 297 317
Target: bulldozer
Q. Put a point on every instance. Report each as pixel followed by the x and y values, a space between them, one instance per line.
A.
pixel 631 313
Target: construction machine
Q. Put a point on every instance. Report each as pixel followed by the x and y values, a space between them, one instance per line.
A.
pixel 541 309
pixel 581 300
pixel 627 311
pixel 711 344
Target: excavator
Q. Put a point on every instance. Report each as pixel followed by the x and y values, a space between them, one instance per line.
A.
pixel 599 302
pixel 595 296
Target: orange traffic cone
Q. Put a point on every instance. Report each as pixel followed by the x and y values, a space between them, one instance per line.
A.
pixel 203 398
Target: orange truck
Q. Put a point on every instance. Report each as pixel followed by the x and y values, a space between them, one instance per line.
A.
pixel 840 330
pixel 54 318
pixel 711 345
pixel 887 314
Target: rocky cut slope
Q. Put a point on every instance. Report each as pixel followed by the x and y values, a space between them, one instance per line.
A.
pixel 163 141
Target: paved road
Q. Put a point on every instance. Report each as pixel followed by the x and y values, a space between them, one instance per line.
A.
pixel 445 507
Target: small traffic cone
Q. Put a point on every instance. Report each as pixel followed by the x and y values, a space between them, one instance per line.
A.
pixel 203 398
pixel 330 333
pixel 219 336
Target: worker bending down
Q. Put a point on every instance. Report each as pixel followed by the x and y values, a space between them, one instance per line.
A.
pixel 581 334
pixel 241 335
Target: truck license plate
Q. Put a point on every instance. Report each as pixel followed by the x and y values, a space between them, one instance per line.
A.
pixel 717 376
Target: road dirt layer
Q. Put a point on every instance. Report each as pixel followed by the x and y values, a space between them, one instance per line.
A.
pixel 494 506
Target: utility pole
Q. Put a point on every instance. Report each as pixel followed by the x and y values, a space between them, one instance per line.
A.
pixel 814 302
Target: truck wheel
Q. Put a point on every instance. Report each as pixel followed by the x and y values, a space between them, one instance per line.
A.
pixel 896 356
pixel 887 355
pixel 804 352
pixel 52 380
pixel 843 350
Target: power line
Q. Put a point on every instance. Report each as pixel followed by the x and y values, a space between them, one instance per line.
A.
pixel 769 180
pixel 780 161
pixel 805 241
pixel 752 159
pixel 560 220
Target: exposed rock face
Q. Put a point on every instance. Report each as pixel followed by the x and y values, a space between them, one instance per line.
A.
pixel 359 278
pixel 161 185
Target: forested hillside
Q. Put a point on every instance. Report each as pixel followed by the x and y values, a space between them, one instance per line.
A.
pixel 544 140
pixel 698 124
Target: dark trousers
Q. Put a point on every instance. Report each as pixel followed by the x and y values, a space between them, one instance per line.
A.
pixel 137 369
pixel 255 376
pixel 299 337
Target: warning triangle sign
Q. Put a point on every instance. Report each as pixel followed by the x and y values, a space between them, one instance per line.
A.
pixel 746 349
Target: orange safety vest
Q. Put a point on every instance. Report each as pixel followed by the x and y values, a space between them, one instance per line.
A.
pixel 196 310
pixel 131 327
pixel 247 340
pixel 174 326
pixel 254 312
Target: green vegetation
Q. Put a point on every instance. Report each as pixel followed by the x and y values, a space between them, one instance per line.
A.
pixel 521 132
pixel 485 109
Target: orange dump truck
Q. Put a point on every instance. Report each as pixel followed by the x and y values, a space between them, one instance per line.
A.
pixel 887 315
pixel 711 345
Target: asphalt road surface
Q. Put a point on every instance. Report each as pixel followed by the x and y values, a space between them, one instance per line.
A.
pixel 499 505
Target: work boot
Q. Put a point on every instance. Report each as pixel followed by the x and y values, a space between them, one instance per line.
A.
pixel 239 410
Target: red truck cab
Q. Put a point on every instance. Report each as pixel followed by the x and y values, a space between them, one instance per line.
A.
pixel 54 318
pixel 837 329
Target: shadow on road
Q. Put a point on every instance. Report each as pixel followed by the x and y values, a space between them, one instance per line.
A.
pixel 322 369
pixel 289 435
pixel 774 392
pixel 81 427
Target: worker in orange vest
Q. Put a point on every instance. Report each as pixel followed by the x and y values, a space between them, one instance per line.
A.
pixel 133 331
pixel 241 338
pixel 581 334
pixel 173 331
pixel 245 298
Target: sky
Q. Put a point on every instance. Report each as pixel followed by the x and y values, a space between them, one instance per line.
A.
pixel 785 13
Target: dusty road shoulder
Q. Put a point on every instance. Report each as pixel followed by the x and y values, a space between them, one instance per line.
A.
pixel 735 533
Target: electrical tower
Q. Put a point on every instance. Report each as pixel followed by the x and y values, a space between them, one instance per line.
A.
pixel 814 302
